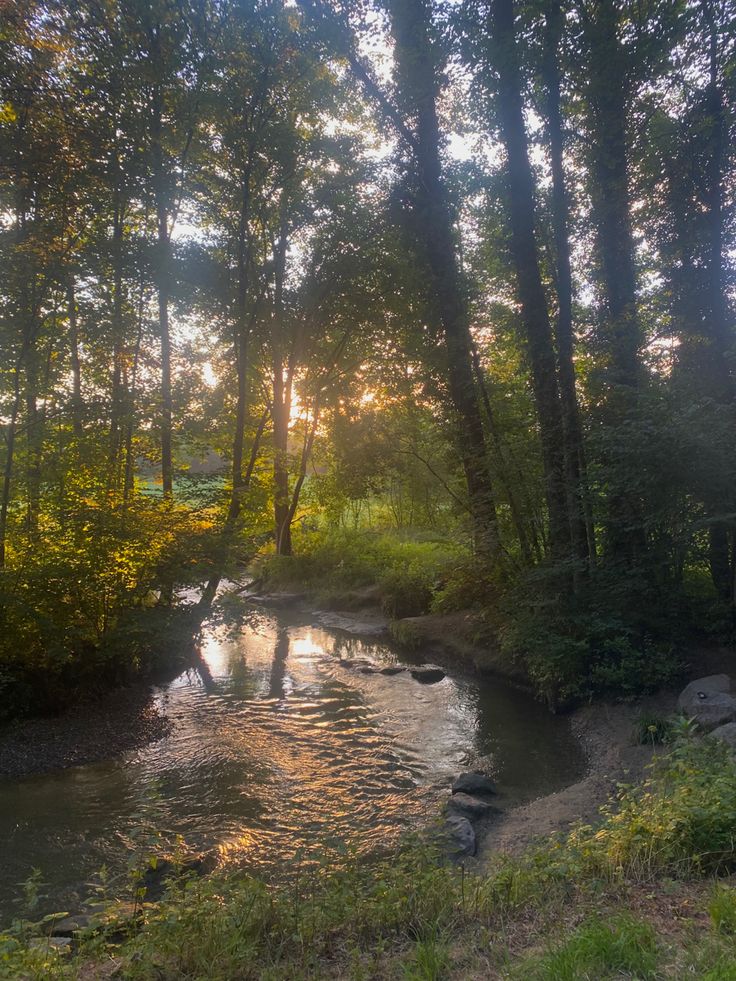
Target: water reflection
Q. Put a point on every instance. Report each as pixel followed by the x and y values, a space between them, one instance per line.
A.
pixel 279 744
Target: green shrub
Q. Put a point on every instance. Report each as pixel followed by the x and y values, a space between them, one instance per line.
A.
pixel 405 593
pixel 678 822
pixel 596 642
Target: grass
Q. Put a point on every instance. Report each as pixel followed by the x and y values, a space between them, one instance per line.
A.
pixel 623 946
pixel 643 894
pixel 411 574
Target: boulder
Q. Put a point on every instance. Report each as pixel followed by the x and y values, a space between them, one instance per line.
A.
pixel 710 684
pixel 364 626
pixel 428 674
pixel 460 835
pixel 50 943
pixel 707 700
pixel 726 734
pixel 68 926
pixel 474 782
pixel 469 806
pixel 392 669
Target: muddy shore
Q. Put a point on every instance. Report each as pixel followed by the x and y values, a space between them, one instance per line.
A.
pixel 124 720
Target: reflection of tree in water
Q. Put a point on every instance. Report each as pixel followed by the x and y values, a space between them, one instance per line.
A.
pixel 348 647
pixel 278 668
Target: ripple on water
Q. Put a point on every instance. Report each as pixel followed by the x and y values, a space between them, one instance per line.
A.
pixel 277 747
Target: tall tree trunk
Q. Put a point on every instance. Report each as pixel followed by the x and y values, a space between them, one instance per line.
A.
pixel 500 454
pixel 241 339
pixel 608 70
pixel 118 340
pixel 34 440
pixel 410 20
pixel 10 435
pixel 607 93
pixel 77 401
pixel 281 396
pixel 534 312
pixel 574 448
pixel 163 270
pixel 719 324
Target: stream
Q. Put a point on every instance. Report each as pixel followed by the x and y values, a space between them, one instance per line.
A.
pixel 279 748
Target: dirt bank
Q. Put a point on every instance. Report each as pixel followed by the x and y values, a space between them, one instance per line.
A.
pixel 117 723
pixel 606 732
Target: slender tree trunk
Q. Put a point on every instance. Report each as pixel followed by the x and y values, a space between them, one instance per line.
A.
pixel 34 440
pixel 163 271
pixel 118 341
pixel 500 454
pixel 608 69
pixel 130 415
pixel 77 401
pixel 534 312
pixel 10 435
pixel 281 397
pixel 241 339
pixel 309 438
pixel 718 321
pixel 574 448
pixel 410 21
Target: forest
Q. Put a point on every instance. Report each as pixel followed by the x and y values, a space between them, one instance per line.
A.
pixel 338 337
pixel 435 293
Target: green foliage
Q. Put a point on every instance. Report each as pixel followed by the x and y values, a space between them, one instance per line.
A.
pixel 65 593
pixel 597 949
pixel 679 821
pixel 406 570
pixel 651 730
pixel 722 909
pixel 608 639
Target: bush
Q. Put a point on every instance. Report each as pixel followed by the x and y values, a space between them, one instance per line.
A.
pixel 406 592
pixel 62 594
pixel 678 822
pixel 596 642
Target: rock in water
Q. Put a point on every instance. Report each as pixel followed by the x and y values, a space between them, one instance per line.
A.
pixel 474 782
pixel 428 674
pixel 460 835
pixel 707 700
pixel 472 807
pixel 392 669
pixel 726 734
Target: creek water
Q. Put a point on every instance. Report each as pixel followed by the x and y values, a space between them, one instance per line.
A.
pixel 278 746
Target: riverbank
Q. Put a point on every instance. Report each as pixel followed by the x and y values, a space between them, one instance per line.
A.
pixel 121 721
pixel 632 893
pixel 644 893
